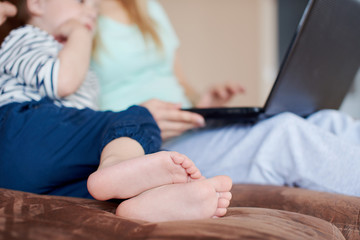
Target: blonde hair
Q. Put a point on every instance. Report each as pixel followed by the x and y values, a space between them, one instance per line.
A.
pixel 138 14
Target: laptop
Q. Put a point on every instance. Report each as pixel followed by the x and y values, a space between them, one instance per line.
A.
pixel 317 71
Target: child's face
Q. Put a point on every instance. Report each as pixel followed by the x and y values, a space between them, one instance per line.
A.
pixel 57 12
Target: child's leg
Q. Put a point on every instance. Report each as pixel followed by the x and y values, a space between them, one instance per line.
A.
pixel 196 200
pixel 125 172
pixel 52 150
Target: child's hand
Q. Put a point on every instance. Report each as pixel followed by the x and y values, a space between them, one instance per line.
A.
pixel 87 21
pixel 66 29
pixel 63 33
pixel 88 18
pixel 6 10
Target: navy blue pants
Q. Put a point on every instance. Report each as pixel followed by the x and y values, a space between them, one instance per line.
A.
pixel 48 149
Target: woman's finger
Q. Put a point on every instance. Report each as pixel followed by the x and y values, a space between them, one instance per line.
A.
pixel 175 126
pixel 155 104
pixel 169 134
pixel 221 92
pixel 182 117
pixel 234 88
pixel 173 130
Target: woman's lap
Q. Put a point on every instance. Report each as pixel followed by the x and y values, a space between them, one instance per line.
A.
pixel 338 123
pixel 283 150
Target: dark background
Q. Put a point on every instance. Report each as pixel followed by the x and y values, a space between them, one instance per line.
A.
pixel 290 12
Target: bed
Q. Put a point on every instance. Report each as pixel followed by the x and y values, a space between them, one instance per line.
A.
pixel 256 212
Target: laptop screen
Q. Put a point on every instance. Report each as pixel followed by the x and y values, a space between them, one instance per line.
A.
pixel 322 60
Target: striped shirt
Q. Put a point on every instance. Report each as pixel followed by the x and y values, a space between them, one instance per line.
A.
pixel 29 69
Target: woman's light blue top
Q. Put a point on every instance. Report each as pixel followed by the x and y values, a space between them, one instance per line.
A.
pixel 132 70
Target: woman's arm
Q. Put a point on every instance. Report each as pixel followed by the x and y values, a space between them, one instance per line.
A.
pixel 190 92
pixel 172 120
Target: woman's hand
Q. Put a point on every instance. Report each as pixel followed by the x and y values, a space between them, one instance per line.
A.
pixel 171 119
pixel 219 95
pixel 6 10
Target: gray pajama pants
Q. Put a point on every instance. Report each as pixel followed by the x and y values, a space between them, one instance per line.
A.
pixel 319 153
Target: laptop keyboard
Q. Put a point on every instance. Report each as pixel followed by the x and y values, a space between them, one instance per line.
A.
pixel 218 117
pixel 227 112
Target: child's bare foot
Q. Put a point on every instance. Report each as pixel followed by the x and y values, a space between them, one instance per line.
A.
pixel 134 176
pixel 196 200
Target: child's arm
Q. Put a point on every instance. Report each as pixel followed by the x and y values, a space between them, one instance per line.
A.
pixel 74 57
